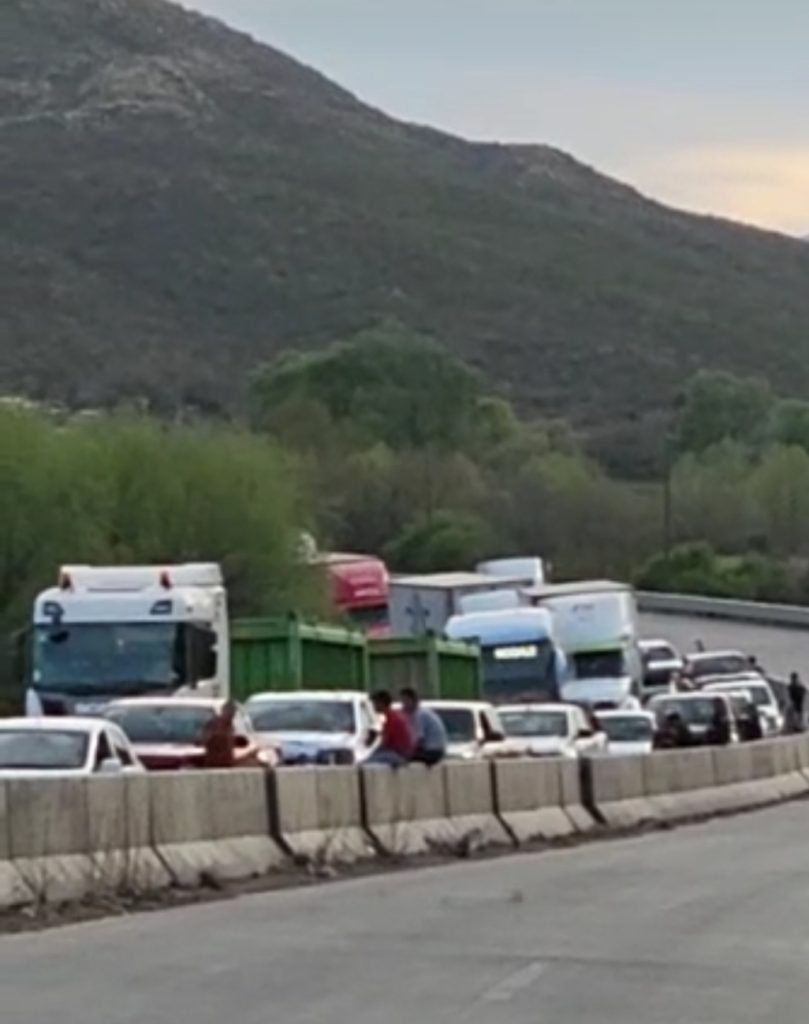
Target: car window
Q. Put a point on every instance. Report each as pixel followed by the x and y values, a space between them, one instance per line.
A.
pixel 103 749
pixel 366 721
pixel 45 750
pixel 121 750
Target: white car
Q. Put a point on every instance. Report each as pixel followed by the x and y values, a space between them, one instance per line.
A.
pixel 167 732
pixel 699 711
pixel 712 665
pixel 551 730
pixel 474 730
pixel 315 727
pixel 661 661
pixel 64 747
pixel 761 694
pixel 628 732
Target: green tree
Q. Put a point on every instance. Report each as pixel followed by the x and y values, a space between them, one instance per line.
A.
pixel 790 423
pixel 718 406
pixel 394 385
pixel 780 489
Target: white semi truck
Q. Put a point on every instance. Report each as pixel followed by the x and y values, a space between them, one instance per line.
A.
pixel 107 632
pixel 595 623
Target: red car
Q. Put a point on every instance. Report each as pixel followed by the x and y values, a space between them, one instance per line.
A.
pixel 166 732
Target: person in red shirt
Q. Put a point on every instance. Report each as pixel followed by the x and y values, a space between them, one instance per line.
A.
pixel 397 742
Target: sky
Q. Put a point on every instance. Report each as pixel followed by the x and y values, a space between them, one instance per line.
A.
pixel 699 103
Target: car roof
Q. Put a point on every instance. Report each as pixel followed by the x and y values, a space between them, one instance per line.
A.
pixel 459 705
pixel 709 655
pixel 737 683
pixel 528 708
pixel 57 723
pixel 656 643
pixel 628 713
pixel 311 695
pixel 661 698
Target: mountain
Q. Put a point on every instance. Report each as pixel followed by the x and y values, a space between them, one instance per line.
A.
pixel 178 203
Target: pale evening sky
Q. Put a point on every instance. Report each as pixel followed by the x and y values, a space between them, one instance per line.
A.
pixel 700 103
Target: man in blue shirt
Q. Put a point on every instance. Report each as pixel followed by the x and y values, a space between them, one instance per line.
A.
pixel 428 729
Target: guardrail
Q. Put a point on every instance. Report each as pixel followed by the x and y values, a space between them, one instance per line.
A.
pixel 783 615
pixel 64 840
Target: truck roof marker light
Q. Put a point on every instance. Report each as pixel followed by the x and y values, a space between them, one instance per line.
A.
pixel 165 580
pixel 65 582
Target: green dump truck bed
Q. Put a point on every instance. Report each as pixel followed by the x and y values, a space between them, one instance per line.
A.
pixel 437 669
pixel 290 654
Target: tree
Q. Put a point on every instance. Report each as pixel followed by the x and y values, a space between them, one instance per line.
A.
pixel 780 486
pixel 790 423
pixel 397 386
pixel 717 407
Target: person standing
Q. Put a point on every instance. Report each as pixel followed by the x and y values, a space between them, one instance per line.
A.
pixel 397 743
pixel 797 700
pixel 219 738
pixel 428 730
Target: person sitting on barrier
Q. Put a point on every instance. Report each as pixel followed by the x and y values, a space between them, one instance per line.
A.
pixel 718 733
pixel 397 743
pixel 674 733
pixel 428 729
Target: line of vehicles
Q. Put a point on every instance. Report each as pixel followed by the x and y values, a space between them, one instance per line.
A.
pixel 559 670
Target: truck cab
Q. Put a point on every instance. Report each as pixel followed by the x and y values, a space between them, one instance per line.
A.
pixel 103 633
pixel 595 622
pixel 521 661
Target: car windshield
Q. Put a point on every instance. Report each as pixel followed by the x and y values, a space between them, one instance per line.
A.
pixel 43 751
pixel 627 728
pixel 658 652
pixel 759 695
pixel 106 657
pixel 694 711
pixel 302 716
pixel 459 723
pixel 161 723
pixel 598 664
pixel 718 665
pixel 534 723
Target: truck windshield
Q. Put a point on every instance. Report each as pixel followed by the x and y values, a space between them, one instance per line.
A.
pixel 599 665
pixel 520 672
pixel 107 657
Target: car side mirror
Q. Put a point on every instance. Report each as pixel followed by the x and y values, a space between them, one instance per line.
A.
pixel 111 766
pixel 585 734
pixel 372 736
pixel 241 742
pixel 494 737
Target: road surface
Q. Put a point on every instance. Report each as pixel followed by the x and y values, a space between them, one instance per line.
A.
pixel 779 650
pixel 704 925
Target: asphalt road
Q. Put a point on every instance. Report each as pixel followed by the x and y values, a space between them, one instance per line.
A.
pixel 780 651
pixel 704 925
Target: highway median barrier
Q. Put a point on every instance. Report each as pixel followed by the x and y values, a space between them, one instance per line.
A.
pixel 528 797
pixel 405 810
pixel 212 825
pixel 317 815
pixel 681 784
pixel 575 781
pixel 470 803
pixel 618 792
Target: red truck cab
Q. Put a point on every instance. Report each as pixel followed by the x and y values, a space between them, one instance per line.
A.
pixel 360 588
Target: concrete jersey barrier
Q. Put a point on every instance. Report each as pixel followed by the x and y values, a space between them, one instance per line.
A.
pixel 619 792
pixel 471 806
pixel 317 815
pixel 528 795
pixel 406 810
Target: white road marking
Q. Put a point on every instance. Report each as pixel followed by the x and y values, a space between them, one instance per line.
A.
pixel 515 983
